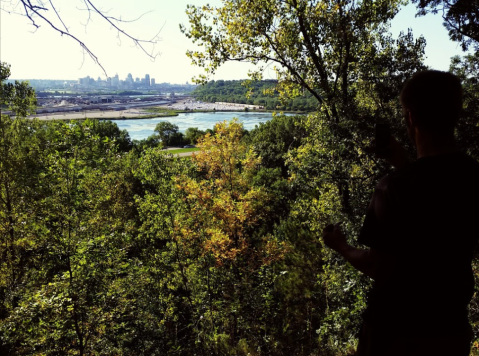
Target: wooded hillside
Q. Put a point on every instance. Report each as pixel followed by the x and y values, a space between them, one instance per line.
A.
pixel 261 93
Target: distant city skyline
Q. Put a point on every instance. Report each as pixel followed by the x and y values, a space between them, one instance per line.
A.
pixel 116 82
pixel 45 54
pixel 88 84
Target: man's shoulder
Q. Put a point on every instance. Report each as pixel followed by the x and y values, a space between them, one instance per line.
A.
pixel 446 176
pixel 456 165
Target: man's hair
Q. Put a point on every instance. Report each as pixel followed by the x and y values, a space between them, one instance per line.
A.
pixel 434 99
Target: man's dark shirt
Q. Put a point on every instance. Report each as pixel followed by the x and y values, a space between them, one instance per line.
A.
pixel 425 216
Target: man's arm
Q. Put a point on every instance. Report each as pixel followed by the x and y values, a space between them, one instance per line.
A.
pixel 359 259
pixel 372 262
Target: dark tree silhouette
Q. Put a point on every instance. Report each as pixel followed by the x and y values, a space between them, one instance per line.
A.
pixel 461 18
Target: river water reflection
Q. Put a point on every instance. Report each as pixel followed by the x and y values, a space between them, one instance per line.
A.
pixel 142 128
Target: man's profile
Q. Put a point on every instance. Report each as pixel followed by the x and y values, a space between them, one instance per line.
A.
pixel 421 230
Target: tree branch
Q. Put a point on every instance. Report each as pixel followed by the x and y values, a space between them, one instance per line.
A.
pixel 58 15
pixel 137 41
pixel 315 55
pixel 37 9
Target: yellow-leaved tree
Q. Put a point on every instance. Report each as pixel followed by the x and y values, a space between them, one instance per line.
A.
pixel 228 259
pixel 224 207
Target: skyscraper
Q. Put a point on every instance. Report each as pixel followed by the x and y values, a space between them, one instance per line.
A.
pixel 115 81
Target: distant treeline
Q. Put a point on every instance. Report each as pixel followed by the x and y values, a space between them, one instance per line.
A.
pixel 234 91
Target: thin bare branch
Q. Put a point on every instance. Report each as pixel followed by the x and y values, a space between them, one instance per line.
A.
pixel 36 11
pixel 34 7
pixel 118 19
pixel 138 42
pixel 30 10
pixel 58 15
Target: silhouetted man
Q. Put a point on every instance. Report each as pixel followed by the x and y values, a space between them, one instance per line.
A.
pixel 421 230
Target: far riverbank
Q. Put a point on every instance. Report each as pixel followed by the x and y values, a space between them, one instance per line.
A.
pixel 182 106
pixel 167 110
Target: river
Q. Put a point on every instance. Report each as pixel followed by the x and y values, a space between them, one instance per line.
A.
pixel 142 128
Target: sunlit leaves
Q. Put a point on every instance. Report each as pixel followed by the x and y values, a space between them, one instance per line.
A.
pixel 68 258
pixel 467 69
pixel 18 97
pixel 317 45
pixel 224 204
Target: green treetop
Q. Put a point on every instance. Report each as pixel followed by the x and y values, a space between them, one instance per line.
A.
pixel 19 97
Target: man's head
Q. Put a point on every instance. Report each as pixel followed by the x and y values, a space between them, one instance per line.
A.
pixel 432 101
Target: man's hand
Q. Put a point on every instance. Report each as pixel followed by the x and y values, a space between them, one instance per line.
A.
pixel 362 260
pixel 334 238
pixel 396 155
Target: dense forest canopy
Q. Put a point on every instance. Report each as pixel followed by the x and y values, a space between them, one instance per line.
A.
pixel 114 247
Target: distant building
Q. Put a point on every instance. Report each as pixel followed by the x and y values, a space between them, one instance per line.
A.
pixel 115 81
pixel 84 81
pixel 147 79
pixel 152 81
pixel 101 99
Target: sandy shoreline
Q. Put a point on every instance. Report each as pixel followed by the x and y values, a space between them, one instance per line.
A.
pixel 139 112
pixel 110 114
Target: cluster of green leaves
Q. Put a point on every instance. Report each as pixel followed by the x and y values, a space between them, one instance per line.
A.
pixel 18 97
pixel 260 93
pixel 467 69
pixel 65 223
pixel 168 134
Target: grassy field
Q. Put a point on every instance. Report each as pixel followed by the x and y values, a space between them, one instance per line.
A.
pixel 183 150
pixel 162 111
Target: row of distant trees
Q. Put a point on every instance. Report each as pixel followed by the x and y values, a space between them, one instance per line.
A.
pixel 260 93
pixel 168 134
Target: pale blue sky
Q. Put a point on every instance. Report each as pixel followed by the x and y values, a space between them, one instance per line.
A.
pixel 45 54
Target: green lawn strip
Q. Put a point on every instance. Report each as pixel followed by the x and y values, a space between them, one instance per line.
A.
pixel 152 116
pixel 183 150
pixel 161 110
